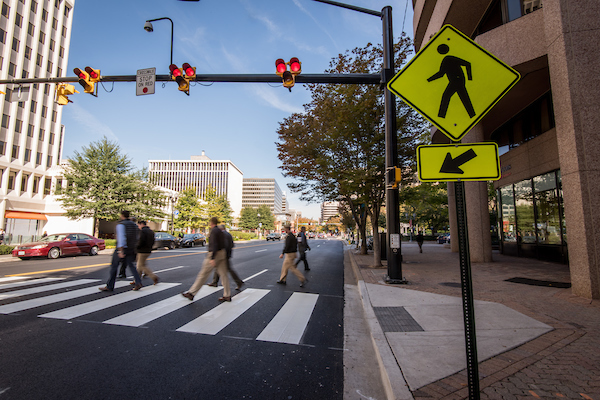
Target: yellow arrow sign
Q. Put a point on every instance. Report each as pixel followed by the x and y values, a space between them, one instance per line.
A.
pixel 453 82
pixel 458 162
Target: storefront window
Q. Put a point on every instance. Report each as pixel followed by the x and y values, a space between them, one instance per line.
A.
pixel 509 228
pixel 560 193
pixel 547 209
pixel 524 211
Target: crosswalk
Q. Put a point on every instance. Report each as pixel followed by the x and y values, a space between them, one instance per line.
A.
pixel 288 325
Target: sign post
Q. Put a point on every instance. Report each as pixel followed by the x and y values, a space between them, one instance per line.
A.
pixel 454 82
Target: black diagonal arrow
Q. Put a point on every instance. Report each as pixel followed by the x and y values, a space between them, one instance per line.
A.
pixel 452 165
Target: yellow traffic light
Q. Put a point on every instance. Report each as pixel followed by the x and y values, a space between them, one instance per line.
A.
pixel 94 74
pixel 289 77
pixel 394 177
pixel 62 91
pixel 85 80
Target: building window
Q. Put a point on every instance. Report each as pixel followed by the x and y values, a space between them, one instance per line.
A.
pixel 59 72
pixel 24 74
pixel 33 107
pixel 2 147
pixel 61 52
pixel 2 35
pixel 38 159
pixel 52 44
pixel 18 126
pixel 5 10
pixel 34 6
pixel 54 23
pixel 49 66
pixel 15 151
pixel 44 15
pixel 67 9
pixel 54 115
pixel 30 130
pixel 28 52
pixel 19 20
pixel 64 31
pixel 51 138
pixel 41 135
pixel 30 29
pixel 44 111
pixel 58 187
pixel 11 180
pixel 15 45
pixel 36 185
pixel 5 120
pixel 24 180
pixel 11 69
pixel 38 61
pixel 57 3
pixel 47 186
pixel 49 163
pixel 1 62
pixel 42 37
pixel 46 89
pixel 501 12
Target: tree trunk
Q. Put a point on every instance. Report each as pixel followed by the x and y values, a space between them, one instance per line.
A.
pixel 96 227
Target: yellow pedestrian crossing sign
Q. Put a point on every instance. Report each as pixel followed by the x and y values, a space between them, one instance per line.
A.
pixel 453 82
pixel 458 162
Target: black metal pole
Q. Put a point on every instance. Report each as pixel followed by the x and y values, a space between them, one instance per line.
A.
pixel 158 19
pixel 466 281
pixel 392 204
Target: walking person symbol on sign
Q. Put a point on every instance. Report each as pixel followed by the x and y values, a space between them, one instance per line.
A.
pixel 452 67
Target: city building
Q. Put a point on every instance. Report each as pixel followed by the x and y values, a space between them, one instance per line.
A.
pixel 284 204
pixel 34 42
pixel 200 172
pixel 262 191
pixel 545 128
pixel 329 209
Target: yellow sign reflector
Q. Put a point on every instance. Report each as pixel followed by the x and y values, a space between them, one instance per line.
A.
pixel 458 162
pixel 453 82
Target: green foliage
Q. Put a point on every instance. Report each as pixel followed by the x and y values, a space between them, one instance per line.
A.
pixel 237 235
pixel 102 182
pixel 6 249
pixel 191 210
pixel 249 218
pixel 266 217
pixel 217 206
pixel 429 202
pixel 110 243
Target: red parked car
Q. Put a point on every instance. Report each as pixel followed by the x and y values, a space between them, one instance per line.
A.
pixel 63 244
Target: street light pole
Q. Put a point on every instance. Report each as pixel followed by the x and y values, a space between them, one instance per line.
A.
pixel 149 28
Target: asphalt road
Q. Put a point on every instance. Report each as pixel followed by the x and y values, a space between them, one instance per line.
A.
pixel 271 342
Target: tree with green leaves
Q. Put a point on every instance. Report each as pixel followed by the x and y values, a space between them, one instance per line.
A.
pixel 101 182
pixel 248 219
pixel 429 202
pixel 191 210
pixel 217 206
pixel 335 150
pixel 266 218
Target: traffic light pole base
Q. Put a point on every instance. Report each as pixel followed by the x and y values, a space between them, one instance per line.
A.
pixel 391 281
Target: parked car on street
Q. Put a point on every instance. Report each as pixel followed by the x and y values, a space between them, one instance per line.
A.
pixel 165 240
pixel 273 236
pixel 62 244
pixel 192 240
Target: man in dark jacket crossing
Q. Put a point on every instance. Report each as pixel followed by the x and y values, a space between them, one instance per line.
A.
pixel 289 252
pixel 144 248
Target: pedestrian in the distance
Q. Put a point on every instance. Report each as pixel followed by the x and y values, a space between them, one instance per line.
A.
pixel 229 250
pixel 303 247
pixel 126 233
pixel 215 258
pixel 289 252
pixel 144 248
pixel 1 236
pixel 420 241
pixel 44 234
pixel 123 265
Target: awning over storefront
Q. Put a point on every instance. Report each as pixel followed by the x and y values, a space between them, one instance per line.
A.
pixel 25 215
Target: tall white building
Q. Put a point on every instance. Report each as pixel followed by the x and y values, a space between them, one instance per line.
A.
pixel 34 43
pixel 200 172
pixel 329 209
pixel 262 191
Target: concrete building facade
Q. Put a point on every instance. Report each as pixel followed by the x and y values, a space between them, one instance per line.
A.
pixel 200 172
pixel 329 209
pixel 545 128
pixel 34 42
pixel 262 191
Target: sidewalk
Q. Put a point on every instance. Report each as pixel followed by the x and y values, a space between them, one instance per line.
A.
pixel 532 341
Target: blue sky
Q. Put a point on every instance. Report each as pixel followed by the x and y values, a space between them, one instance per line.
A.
pixel 231 121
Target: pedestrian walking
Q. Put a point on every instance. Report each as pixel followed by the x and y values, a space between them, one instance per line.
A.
pixel 144 248
pixel 228 250
pixel 2 236
pixel 289 252
pixel 215 259
pixel 303 247
pixel 420 241
pixel 44 234
pixel 123 265
pixel 126 232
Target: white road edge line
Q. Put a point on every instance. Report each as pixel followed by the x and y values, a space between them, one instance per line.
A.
pixel 260 251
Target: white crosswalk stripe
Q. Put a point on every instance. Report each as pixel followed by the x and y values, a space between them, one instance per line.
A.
pixel 28 282
pixel 101 304
pixel 12 278
pixel 55 298
pixel 219 317
pixel 46 288
pixel 289 324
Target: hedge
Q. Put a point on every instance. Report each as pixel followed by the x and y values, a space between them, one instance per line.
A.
pixel 6 249
pixel 237 235
pixel 110 243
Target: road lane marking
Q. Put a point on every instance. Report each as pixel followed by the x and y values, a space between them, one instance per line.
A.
pixel 154 311
pixel 255 275
pixel 289 324
pixel 9 278
pixel 169 269
pixel 259 251
pixel 111 301
pixel 29 282
pixel 57 270
pixel 55 298
pixel 47 288
pixel 213 321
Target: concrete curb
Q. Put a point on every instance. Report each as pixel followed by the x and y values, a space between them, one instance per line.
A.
pixel 393 381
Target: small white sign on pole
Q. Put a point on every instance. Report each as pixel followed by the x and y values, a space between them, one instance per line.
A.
pixel 144 81
pixel 394 240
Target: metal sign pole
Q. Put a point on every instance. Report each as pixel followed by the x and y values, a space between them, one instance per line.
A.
pixel 467 291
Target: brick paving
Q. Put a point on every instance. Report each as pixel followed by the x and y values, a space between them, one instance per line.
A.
pixel 564 363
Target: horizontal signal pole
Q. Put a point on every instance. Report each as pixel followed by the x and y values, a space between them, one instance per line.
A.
pixel 373 79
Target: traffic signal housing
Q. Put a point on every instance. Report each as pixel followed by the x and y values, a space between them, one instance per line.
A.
pixel 289 77
pixel 394 177
pixel 178 76
pixel 86 80
pixel 62 91
pixel 93 73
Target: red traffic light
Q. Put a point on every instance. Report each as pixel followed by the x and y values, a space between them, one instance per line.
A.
pixel 281 67
pixel 295 66
pixel 80 73
pixel 174 70
pixel 188 70
pixel 92 73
